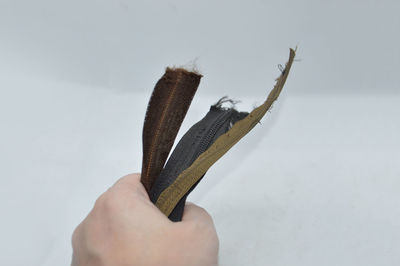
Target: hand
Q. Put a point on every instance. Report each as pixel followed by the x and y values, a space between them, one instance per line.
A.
pixel 126 228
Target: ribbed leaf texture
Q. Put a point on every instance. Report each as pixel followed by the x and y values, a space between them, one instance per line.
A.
pixel 166 110
pixel 188 178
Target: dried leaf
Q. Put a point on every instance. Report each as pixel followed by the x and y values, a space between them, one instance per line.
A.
pixel 166 110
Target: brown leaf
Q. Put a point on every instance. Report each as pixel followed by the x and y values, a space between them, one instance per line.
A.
pixel 170 197
pixel 166 110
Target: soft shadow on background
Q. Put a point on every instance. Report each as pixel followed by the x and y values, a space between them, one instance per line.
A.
pixel 317 183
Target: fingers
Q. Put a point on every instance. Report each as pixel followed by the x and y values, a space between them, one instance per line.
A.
pixel 131 182
pixel 193 212
pixel 197 222
pixel 132 179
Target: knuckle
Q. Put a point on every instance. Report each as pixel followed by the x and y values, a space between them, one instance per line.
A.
pixel 108 200
pixel 201 232
pixel 216 241
pixel 100 201
pixel 75 237
pixel 198 227
pixel 112 200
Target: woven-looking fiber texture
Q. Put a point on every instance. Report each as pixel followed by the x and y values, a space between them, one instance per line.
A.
pixel 170 197
pixel 167 108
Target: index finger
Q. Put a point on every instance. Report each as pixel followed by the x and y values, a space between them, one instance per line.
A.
pixel 132 182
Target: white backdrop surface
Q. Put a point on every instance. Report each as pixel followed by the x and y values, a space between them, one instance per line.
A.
pixel 317 183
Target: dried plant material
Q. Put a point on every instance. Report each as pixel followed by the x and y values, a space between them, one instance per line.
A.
pixel 194 142
pixel 167 108
pixel 170 197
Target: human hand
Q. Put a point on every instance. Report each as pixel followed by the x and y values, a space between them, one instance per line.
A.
pixel 126 228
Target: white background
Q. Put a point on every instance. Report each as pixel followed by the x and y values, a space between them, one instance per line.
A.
pixel 317 183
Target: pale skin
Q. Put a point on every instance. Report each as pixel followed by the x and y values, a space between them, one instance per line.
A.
pixel 126 228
